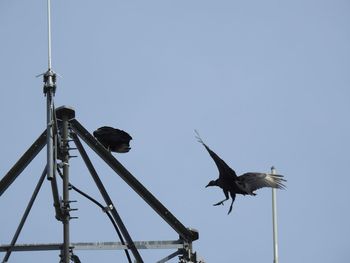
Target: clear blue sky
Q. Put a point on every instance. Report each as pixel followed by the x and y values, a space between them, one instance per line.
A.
pixel 265 82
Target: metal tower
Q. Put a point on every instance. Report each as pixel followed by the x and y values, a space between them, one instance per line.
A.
pixel 63 129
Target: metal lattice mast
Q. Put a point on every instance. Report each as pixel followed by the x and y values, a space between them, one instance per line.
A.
pixel 60 126
pixel 62 207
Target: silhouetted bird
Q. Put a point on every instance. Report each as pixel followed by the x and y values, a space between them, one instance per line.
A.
pixel 245 184
pixel 114 140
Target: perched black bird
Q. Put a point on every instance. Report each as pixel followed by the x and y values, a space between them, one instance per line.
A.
pixel 245 184
pixel 75 258
pixel 114 140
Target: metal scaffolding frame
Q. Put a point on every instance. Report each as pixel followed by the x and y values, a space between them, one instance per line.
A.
pixel 67 129
pixel 61 129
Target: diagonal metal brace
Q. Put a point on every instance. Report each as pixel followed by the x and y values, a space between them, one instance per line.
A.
pixel 107 199
pixel 23 162
pixel 25 215
pixel 142 191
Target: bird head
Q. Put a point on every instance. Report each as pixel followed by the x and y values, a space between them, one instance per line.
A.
pixel 212 183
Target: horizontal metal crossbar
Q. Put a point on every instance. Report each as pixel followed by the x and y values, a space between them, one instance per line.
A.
pixel 171 244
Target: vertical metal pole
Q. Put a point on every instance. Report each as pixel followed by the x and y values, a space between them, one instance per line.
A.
pixel 274 221
pixel 49 90
pixel 49 32
pixel 66 206
pixel 49 130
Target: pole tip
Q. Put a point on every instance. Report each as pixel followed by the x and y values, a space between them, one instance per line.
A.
pixel 273 169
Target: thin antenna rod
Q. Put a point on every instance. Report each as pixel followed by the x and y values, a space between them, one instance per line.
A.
pixel 49 32
pixel 274 221
pixel 49 90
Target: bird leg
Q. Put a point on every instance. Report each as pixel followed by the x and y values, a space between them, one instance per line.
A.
pixel 221 202
pixel 233 196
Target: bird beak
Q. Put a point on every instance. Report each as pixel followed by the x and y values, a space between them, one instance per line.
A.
pixel 207 185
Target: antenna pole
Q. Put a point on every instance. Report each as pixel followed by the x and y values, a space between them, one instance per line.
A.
pixel 49 91
pixel 51 127
pixel 49 32
pixel 274 221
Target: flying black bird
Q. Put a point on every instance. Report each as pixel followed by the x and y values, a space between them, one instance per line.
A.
pixel 114 140
pixel 245 184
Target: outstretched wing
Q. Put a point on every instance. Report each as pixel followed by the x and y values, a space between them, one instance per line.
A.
pixel 225 171
pixel 259 180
